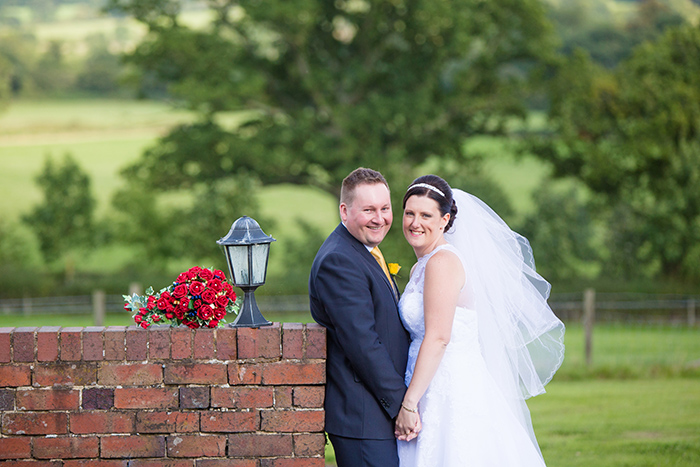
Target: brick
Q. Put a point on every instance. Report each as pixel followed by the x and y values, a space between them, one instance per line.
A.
pixel 293 340
pixel 294 462
pixel 262 342
pixel 23 344
pixel 102 422
pixel 136 343
pixel 35 423
pixel 93 342
pixel 70 343
pixel 289 372
pixel 66 448
pixel 65 374
pixel 5 345
pixel 115 338
pixel 309 444
pixel 132 446
pixel 283 397
pixel 15 448
pixel 260 445
pixel 98 398
pixel 309 396
pixel 229 422
pixel 47 343
pixel 227 463
pixel 167 422
pixel 130 374
pixel 196 446
pixel 32 463
pixel 95 463
pixel 245 373
pixel 145 398
pixel 12 376
pixel 181 339
pixel 315 341
pixel 226 344
pixel 287 421
pixel 158 343
pixel 242 397
pixel 48 399
pixel 194 398
pixel 204 343
pixel 161 463
pixel 195 373
pixel 7 400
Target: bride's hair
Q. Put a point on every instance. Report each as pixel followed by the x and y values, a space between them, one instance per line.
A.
pixel 441 194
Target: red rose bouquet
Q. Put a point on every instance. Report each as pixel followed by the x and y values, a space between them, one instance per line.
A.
pixel 200 297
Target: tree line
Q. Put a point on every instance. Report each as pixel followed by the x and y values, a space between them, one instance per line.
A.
pixel 402 86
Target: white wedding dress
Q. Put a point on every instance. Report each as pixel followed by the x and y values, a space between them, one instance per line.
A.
pixel 467 420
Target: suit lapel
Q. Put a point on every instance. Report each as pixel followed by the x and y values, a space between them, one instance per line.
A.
pixel 368 258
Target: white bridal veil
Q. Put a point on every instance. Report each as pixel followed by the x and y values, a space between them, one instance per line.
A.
pixel 521 339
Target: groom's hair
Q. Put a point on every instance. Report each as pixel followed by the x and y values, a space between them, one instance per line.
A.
pixel 358 177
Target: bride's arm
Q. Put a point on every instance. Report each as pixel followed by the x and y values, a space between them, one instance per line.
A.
pixel 444 278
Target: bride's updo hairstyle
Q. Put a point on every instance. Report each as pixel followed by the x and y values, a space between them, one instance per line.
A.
pixel 436 189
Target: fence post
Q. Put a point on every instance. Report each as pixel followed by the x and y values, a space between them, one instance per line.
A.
pixel 588 322
pixel 27 305
pixel 99 306
pixel 691 312
pixel 135 288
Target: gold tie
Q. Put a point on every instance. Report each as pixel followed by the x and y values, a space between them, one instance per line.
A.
pixel 380 259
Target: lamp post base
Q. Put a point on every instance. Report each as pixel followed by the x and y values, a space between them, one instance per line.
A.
pixel 249 315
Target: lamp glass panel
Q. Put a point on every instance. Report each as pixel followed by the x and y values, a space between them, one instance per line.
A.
pixel 238 262
pixel 260 253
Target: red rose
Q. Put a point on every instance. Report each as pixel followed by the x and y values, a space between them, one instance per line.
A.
pixel 183 277
pixel 216 285
pixel 127 307
pixel 208 296
pixel 197 304
pixel 143 311
pixel 156 318
pixel 151 305
pixel 228 288
pixel 206 274
pixel 180 291
pixel 219 313
pixel 162 303
pixel 144 324
pixel 219 274
pixel 170 307
pixel 138 319
pixel 213 323
pixel 222 300
pixel 165 295
pixel 196 288
pixel 169 315
pixel 179 313
pixel 205 313
pixel 194 270
pixel 193 325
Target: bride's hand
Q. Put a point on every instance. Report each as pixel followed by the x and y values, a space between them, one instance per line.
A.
pixel 408 425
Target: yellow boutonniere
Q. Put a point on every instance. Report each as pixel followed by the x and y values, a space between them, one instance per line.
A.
pixel 394 268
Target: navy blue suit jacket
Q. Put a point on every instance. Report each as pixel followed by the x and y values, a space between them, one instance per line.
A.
pixel 367 345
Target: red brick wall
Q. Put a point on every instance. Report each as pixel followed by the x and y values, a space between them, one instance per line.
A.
pixel 167 397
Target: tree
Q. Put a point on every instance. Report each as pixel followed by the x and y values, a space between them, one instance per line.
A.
pixel 65 217
pixel 633 137
pixel 330 86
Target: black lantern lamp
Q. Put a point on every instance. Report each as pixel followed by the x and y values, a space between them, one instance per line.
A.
pixel 247 249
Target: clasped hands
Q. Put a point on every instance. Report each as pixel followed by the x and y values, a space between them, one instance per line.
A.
pixel 408 425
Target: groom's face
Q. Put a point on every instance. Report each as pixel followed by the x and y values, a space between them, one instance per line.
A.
pixel 368 215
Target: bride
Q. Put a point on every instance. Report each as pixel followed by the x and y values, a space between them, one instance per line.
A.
pixel 483 337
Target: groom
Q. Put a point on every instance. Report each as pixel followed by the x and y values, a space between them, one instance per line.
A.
pixel 354 298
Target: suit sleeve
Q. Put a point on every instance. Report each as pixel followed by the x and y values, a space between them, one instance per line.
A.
pixel 346 292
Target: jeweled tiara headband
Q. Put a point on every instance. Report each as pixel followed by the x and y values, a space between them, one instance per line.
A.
pixel 429 187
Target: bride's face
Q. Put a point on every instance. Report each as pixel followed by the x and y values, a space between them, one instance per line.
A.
pixel 423 225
